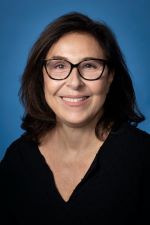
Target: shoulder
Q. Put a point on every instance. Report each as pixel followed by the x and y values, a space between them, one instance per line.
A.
pixel 128 131
pixel 17 152
pixel 132 138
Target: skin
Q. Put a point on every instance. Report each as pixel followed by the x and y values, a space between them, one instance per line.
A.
pixel 75 47
pixel 74 141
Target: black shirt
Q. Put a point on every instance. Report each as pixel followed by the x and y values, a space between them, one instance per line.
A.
pixel 115 189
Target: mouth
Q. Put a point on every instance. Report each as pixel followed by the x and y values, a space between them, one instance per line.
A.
pixel 74 100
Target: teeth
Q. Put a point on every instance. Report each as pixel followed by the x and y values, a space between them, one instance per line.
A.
pixel 74 99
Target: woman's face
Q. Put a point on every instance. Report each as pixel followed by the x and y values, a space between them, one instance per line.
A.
pixel 75 101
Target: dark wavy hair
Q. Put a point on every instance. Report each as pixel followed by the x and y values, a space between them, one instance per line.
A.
pixel 120 105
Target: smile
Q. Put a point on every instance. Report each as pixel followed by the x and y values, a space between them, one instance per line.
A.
pixel 74 101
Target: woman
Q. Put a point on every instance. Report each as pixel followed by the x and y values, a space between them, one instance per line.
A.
pixel 81 159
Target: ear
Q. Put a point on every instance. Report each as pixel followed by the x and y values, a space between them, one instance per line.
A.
pixel 111 76
pixel 110 80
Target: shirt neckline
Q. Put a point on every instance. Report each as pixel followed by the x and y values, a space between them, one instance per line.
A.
pixel 76 192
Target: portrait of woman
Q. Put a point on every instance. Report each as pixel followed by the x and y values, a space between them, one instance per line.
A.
pixel 81 158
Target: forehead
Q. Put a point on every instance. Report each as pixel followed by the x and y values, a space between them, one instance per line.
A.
pixel 76 44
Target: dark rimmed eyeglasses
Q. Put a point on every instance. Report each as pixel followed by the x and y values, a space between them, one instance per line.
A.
pixel 89 69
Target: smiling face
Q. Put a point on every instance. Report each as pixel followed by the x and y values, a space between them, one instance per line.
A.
pixel 75 101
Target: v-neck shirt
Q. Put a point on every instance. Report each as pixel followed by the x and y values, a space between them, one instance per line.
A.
pixel 114 190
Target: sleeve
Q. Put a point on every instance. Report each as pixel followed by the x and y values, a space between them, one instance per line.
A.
pixel 145 212
pixel 6 178
pixel 6 217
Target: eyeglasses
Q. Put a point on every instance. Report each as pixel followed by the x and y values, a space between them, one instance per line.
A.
pixel 60 69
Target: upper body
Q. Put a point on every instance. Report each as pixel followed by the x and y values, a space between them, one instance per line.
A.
pixel 114 189
pixel 78 161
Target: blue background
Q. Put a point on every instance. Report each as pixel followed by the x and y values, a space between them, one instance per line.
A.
pixel 21 23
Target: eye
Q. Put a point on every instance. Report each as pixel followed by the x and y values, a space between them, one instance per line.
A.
pixel 89 65
pixel 59 66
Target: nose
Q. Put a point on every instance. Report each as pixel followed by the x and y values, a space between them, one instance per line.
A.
pixel 74 80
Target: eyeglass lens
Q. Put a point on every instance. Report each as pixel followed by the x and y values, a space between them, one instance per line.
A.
pixel 88 69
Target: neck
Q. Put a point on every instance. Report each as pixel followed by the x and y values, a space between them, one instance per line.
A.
pixel 76 139
pixel 72 140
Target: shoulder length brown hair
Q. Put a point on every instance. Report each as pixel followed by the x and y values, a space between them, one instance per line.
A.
pixel 120 105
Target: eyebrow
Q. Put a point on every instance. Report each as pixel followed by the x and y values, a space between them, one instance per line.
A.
pixel 59 57
pixel 65 58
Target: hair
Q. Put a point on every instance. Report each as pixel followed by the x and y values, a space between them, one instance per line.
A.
pixel 120 104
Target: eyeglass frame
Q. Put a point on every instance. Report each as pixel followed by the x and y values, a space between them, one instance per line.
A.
pixel 104 61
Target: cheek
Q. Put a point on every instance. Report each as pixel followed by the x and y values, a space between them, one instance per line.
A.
pixel 47 93
pixel 101 88
pixel 48 89
pixel 49 96
pixel 49 85
pixel 100 92
pixel 51 89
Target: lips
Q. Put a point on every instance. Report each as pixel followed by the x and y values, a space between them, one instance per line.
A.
pixel 74 100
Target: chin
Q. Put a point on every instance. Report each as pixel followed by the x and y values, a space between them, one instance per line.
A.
pixel 76 123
